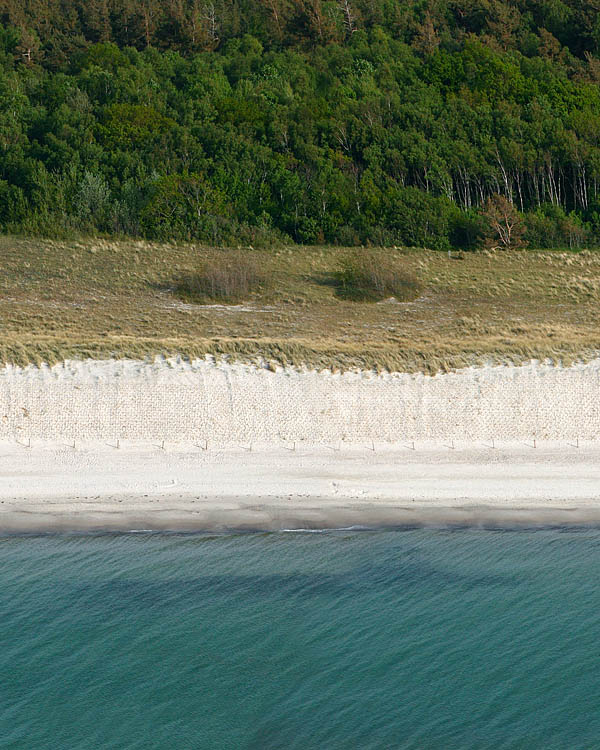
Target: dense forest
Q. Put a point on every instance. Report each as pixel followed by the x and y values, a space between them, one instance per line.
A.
pixel 313 121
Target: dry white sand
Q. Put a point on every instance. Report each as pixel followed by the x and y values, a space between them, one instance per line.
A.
pixel 246 447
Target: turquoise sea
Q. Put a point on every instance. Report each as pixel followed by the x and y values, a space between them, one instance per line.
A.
pixel 416 638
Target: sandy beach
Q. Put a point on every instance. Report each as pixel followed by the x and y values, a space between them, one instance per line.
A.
pixel 197 445
pixel 96 486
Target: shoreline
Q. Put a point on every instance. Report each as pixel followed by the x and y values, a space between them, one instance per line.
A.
pixel 96 488
pixel 211 445
pixel 271 520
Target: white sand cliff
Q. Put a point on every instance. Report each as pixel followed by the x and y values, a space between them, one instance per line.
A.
pixel 248 447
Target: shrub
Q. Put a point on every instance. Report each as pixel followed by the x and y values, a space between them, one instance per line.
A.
pixel 230 277
pixel 369 275
pixel 468 229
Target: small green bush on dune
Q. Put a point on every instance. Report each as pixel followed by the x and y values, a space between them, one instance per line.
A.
pixel 231 277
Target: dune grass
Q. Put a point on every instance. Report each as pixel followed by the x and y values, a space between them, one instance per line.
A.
pixel 101 298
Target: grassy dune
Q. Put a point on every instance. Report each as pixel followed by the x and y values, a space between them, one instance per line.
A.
pixel 100 298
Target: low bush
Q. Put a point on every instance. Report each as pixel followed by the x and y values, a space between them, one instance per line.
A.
pixel 368 275
pixel 230 277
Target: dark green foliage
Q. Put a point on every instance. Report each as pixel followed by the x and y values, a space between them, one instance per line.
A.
pixel 368 275
pixel 550 226
pixel 349 122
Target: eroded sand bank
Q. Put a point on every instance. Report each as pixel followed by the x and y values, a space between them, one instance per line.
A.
pixel 206 400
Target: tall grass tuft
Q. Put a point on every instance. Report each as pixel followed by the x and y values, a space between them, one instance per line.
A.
pixel 230 277
pixel 369 275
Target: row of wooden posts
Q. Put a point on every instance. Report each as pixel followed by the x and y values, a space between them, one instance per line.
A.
pixel 204 445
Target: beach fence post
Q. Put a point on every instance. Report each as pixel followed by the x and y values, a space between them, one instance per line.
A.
pixel 162 445
pixel 118 443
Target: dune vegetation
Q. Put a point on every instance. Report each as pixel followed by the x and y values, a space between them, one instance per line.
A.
pixel 103 298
